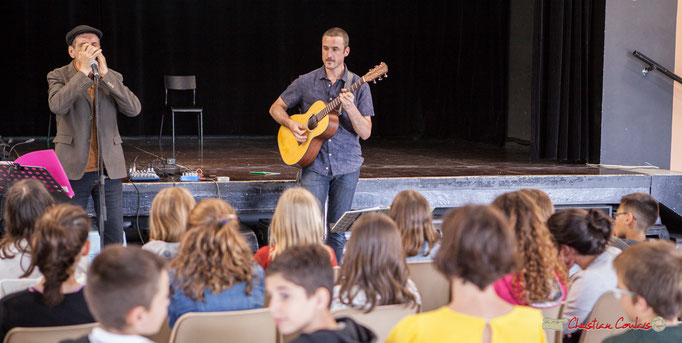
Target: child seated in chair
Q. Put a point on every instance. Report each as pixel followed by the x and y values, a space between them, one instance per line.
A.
pixel 650 291
pixel 168 221
pixel 477 248
pixel 299 282
pixel 127 292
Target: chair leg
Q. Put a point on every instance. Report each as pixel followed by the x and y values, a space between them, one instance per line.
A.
pixel 161 130
pixel 201 128
pixel 173 125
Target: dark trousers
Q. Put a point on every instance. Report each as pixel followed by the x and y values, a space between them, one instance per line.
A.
pixel 87 187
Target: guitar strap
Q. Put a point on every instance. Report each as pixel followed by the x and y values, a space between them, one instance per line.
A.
pixel 349 81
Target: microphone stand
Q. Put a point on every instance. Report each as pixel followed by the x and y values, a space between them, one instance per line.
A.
pixel 100 168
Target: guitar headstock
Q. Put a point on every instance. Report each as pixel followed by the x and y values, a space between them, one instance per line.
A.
pixel 376 73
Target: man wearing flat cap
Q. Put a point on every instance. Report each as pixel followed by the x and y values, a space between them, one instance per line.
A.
pixel 71 97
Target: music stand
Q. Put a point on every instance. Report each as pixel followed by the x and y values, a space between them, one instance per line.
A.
pixel 349 217
pixel 13 172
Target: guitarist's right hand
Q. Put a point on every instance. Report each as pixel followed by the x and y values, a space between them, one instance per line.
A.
pixel 298 129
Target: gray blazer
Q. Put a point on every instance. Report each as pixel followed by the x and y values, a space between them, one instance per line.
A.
pixel 69 99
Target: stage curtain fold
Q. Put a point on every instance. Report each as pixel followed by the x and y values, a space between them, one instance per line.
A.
pixel 566 81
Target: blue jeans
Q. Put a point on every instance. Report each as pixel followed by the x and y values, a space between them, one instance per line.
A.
pixel 340 189
pixel 113 199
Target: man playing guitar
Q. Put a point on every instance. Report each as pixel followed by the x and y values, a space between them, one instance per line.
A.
pixel 334 173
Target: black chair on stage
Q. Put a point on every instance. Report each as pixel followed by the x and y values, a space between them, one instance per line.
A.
pixel 183 83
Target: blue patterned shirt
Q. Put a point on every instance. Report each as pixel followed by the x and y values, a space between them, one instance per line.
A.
pixel 341 154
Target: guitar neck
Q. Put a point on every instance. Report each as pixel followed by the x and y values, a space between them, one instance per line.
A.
pixel 336 102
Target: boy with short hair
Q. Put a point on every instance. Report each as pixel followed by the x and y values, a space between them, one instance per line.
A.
pixel 636 214
pixel 127 292
pixel 650 291
pixel 300 282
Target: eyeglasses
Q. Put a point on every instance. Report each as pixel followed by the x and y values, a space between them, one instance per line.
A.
pixel 618 292
pixel 616 214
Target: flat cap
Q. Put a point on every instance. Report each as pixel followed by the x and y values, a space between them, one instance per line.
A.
pixel 80 29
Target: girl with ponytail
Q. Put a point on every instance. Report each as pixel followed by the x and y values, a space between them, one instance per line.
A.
pixel 214 269
pixel 60 240
pixel 581 238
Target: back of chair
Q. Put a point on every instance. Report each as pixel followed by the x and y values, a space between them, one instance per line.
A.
pixel 433 286
pixel 607 310
pixel 180 83
pixel 9 286
pixel 231 326
pixel 554 313
pixel 52 334
pixel 381 320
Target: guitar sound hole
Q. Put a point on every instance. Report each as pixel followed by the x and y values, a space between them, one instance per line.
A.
pixel 312 123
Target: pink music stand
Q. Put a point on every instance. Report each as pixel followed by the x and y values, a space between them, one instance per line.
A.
pixel 48 160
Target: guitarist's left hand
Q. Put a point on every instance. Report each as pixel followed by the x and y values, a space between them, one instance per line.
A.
pixel 361 124
pixel 348 101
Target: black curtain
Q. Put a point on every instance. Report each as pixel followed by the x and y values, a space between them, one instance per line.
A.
pixel 568 51
pixel 447 60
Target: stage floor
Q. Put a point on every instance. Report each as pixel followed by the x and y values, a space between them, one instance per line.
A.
pixel 384 158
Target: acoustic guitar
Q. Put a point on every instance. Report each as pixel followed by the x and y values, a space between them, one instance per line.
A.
pixel 321 121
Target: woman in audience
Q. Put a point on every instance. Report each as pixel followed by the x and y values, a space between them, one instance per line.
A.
pixel 581 237
pixel 541 279
pixel 477 248
pixel 297 221
pixel 411 213
pixel 542 201
pixel 214 268
pixel 374 271
pixel 59 242
pixel 24 203
pixel 168 220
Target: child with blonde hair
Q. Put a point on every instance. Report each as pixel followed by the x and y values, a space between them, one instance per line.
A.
pixel 168 220
pixel 297 221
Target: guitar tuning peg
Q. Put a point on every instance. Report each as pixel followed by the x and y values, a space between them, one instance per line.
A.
pixel 386 75
pixel 380 79
pixel 375 82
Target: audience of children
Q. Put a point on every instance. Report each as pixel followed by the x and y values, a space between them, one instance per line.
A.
pixel 60 240
pixel 541 278
pixel 477 248
pixel 581 237
pixel 650 291
pixel 502 260
pixel 297 221
pixel 168 220
pixel 23 205
pixel 127 292
pixel 636 214
pixel 374 271
pixel 412 214
pixel 214 269
pixel 299 282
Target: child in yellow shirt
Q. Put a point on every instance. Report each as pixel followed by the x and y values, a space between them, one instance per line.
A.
pixel 477 248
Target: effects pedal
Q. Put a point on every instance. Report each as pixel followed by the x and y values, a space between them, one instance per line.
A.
pixel 190 176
